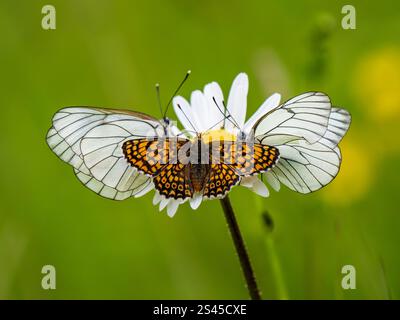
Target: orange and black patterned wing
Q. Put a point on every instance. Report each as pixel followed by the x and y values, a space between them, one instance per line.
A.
pixel 255 158
pixel 150 156
pixel 173 182
pixel 221 180
pixel 249 159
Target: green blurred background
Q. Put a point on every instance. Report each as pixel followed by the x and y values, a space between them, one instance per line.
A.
pixel 111 53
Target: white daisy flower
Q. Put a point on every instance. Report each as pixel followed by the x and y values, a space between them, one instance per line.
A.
pixel 203 114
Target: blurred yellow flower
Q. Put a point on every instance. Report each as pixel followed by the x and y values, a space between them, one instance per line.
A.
pixel 377 84
pixel 355 175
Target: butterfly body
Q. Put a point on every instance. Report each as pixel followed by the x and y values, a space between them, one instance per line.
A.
pixel 198 175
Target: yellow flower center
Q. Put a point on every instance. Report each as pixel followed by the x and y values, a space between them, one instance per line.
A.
pixel 217 135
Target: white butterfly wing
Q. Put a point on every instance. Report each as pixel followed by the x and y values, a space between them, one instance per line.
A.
pixel 136 185
pixel 62 149
pixel 90 139
pixel 72 123
pixel 339 123
pixel 305 116
pixel 131 183
pixel 102 153
pixel 306 167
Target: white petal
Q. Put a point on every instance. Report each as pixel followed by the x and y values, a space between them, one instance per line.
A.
pixel 175 130
pixel 272 180
pixel 163 203
pixel 248 182
pixel 199 106
pixel 184 114
pixel 260 188
pixel 156 198
pixel 172 207
pixel 237 102
pixel 270 104
pixel 196 200
pixel 212 91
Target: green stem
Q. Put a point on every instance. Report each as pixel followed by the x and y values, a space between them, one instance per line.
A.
pixel 276 270
pixel 241 249
pixel 273 259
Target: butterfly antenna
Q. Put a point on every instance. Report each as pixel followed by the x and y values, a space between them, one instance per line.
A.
pixel 231 118
pixel 187 118
pixel 226 117
pixel 159 98
pixel 177 90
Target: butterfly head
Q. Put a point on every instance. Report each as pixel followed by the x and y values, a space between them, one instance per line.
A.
pixel 168 126
pixel 165 122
